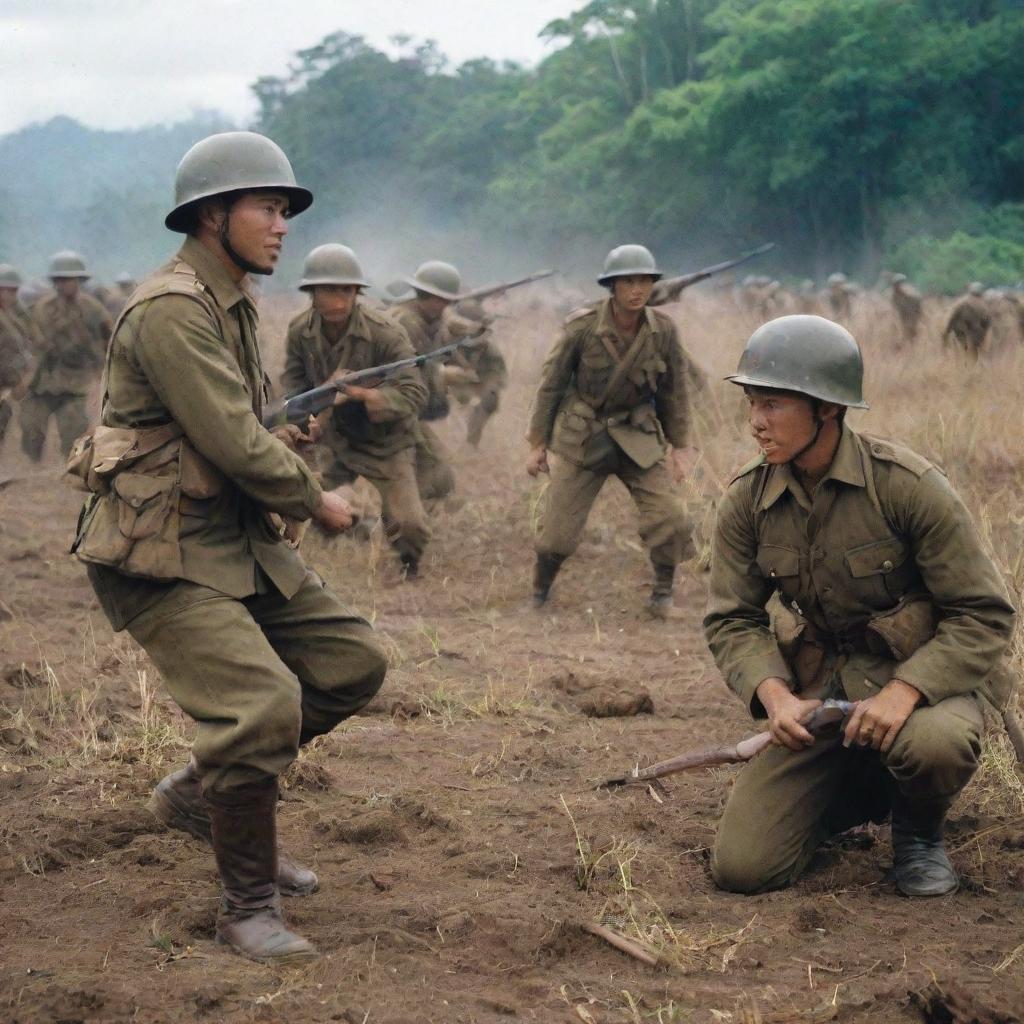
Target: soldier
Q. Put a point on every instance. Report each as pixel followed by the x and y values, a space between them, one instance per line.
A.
pixel 484 367
pixel 906 300
pixel 371 432
pixel 887 597
pixel 74 328
pixel 839 295
pixel 19 342
pixel 612 398
pixel 118 296
pixel 969 321
pixel 181 541
pixel 436 287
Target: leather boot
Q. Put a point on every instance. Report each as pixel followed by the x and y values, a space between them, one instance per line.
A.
pixel 410 566
pixel 243 822
pixel 660 601
pixel 920 864
pixel 544 574
pixel 178 802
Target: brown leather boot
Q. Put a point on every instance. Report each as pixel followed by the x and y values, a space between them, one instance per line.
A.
pixel 178 802
pixel 659 604
pixel 243 822
pixel 544 573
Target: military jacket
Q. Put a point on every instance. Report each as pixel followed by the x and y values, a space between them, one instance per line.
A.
pixel 184 361
pixel 426 336
pixel 483 357
pixel 969 320
pixel 19 343
pixel 371 338
pixel 75 336
pixel 599 392
pixel 883 527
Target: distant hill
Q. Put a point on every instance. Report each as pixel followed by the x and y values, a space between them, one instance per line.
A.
pixel 103 193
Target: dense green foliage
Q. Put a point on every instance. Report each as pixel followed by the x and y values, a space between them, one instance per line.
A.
pixel 858 134
pixel 841 128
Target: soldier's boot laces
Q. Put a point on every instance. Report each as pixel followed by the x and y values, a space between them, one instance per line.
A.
pixel 178 802
pixel 921 866
pixel 544 573
pixel 659 604
pixel 244 826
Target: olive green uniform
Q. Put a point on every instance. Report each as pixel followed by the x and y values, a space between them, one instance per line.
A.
pixel 606 406
pixel 434 474
pixel 884 527
pixel 74 337
pixel 382 452
pixel 19 343
pixel 909 310
pixel 484 361
pixel 181 546
pixel 969 322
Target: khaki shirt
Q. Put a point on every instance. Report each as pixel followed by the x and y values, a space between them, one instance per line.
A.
pixel 969 320
pixel 882 526
pixel 426 336
pixel 19 342
pixel 75 336
pixel 598 390
pixel 371 339
pixel 186 351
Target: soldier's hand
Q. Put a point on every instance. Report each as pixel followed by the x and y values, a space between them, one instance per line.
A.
pixel 374 401
pixel 786 714
pixel 876 722
pixel 333 513
pixel 682 463
pixel 341 396
pixel 537 462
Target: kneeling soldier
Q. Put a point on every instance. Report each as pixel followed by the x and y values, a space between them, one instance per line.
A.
pixel 372 432
pixel 886 597
pixel 181 541
pixel 612 398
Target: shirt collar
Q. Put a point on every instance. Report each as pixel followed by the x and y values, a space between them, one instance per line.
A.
pixel 846 468
pixel 606 324
pixel 355 328
pixel 213 273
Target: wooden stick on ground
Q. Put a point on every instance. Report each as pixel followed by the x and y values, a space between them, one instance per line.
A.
pixel 620 942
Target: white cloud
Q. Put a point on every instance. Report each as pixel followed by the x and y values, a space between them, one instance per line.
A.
pixel 124 63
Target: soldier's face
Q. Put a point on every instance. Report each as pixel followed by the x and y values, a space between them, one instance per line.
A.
pixel 782 423
pixel 632 293
pixel 335 302
pixel 433 306
pixel 66 287
pixel 257 227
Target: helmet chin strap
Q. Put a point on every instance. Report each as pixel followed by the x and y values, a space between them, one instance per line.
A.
pixel 819 425
pixel 225 240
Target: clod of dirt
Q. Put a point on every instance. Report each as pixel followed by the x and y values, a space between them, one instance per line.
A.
pixel 21 676
pixel 950 1003
pixel 376 827
pixel 809 919
pixel 605 698
pixel 6 613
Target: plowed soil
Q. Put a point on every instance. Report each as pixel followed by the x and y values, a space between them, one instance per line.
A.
pixel 457 831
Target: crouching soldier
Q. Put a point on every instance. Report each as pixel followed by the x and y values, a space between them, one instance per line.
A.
pixel 182 542
pixel 886 597
pixel 612 399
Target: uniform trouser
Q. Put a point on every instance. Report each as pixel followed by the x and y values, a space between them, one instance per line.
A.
pixel 405 522
pixel 434 475
pixel 786 803
pixel 487 399
pixel 664 526
pixel 6 412
pixel 261 674
pixel 36 410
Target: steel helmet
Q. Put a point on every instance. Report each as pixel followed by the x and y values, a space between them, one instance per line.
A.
pixel 629 261
pixel 332 264
pixel 437 278
pixel 232 162
pixel 67 264
pixel 9 276
pixel 806 354
pixel 976 288
pixel 836 279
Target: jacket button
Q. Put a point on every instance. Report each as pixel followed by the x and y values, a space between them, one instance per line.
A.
pixel 887 566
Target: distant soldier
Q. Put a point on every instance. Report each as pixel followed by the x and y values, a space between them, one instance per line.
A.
pixel 118 296
pixel 371 432
pixel 906 300
pixel 75 328
pixel 612 399
pixel 485 372
pixel 184 544
pixel 806 298
pixel 19 343
pixel 839 295
pixel 969 321
pixel 436 286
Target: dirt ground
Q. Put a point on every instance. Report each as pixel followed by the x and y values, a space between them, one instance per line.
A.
pixel 458 836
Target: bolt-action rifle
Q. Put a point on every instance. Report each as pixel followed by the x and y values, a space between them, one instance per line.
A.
pixel 669 289
pixel 398 291
pixel 299 407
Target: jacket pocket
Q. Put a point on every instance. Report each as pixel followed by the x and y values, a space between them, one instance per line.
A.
pixel 143 503
pixel 200 479
pixel 879 558
pixel 777 561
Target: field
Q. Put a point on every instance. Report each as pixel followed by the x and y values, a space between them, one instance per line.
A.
pixel 459 839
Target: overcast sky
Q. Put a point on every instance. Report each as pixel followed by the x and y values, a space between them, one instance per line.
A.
pixel 125 63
